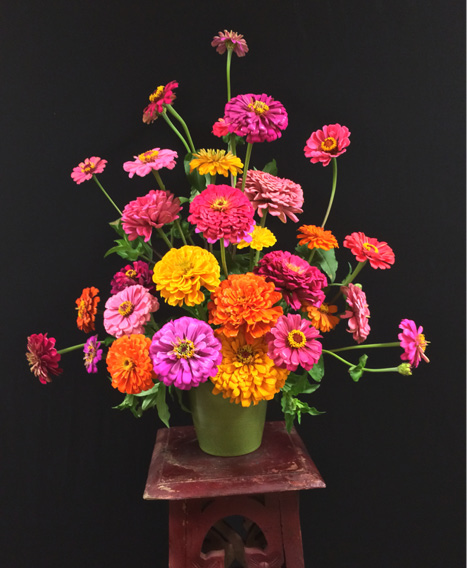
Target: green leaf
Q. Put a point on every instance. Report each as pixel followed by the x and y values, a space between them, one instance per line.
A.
pixel 299 384
pixel 162 408
pixel 317 371
pixel 357 370
pixel 326 261
pixel 197 182
pixel 271 168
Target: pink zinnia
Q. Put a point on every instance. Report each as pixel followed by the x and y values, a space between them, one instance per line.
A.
pixel 131 274
pixel 413 342
pixel 163 95
pixel 298 281
pixel 258 117
pixel 358 312
pixel 154 159
pixel 292 343
pixel 42 357
pixel 330 142
pixel 128 311
pixel 379 253
pixel 92 354
pixel 153 210
pixel 230 40
pixel 85 170
pixel 222 212
pixel 278 196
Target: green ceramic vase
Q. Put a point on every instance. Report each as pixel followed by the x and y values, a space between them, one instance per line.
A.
pixel 224 428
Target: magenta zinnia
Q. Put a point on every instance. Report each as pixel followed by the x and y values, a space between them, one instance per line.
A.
pixel 258 117
pixel 378 253
pixel 154 159
pixel 153 210
pixel 270 194
pixel 357 312
pixel 131 274
pixel 92 354
pixel 42 357
pixel 330 142
pixel 185 353
pixel 231 41
pixel 163 95
pixel 222 212
pixel 413 342
pixel 85 170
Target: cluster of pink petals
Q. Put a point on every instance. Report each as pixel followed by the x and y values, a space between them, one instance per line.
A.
pixel 128 311
pixel 92 354
pixel 357 312
pixel 278 196
pixel 185 368
pixel 151 211
pixel 154 159
pixel 330 142
pixel 85 170
pixel 258 117
pixel 378 253
pixel 222 212
pixel 42 357
pixel 413 342
pixel 283 353
pixel 298 281
pixel 160 97
pixel 230 40
pixel 131 274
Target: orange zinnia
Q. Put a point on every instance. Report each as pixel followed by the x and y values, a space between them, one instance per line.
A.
pixel 316 237
pixel 244 302
pixel 129 364
pixel 322 317
pixel 86 305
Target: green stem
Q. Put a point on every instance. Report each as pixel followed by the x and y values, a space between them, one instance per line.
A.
pixel 106 194
pixel 177 132
pixel 333 190
pixel 367 346
pixel 68 349
pixel 229 60
pixel 224 263
pixel 349 279
pixel 247 163
pixel 312 254
pixel 366 369
pixel 184 126
pixel 164 237
pixel 179 227
pixel 160 183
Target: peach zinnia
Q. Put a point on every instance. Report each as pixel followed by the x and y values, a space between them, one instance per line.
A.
pixel 86 305
pixel 316 237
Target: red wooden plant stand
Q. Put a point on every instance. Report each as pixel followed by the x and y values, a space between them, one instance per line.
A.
pixel 240 511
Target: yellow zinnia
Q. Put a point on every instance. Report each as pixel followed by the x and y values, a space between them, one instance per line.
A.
pixel 181 273
pixel 261 237
pixel 216 162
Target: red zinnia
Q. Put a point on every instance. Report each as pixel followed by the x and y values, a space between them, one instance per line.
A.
pixel 379 253
pixel 42 356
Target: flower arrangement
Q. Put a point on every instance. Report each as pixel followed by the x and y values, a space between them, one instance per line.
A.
pixel 249 320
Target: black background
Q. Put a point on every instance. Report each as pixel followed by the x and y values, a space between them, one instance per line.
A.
pixel 75 78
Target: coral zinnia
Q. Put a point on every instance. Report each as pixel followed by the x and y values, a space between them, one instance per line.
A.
pixel 294 277
pixel 222 212
pixel 260 237
pixel 292 343
pixel 42 357
pixel 358 312
pixel 379 253
pixel 85 170
pixel 247 374
pixel 330 142
pixel 129 364
pixel 278 196
pixel 316 237
pixel 413 342
pixel 220 128
pixel 92 354
pixel 154 159
pixel 216 162
pixel 244 301
pixel 258 117
pixel 128 311
pixel 86 305
pixel 321 317
pixel 136 273
pixel 185 353
pixel 231 41
pixel 182 272
pixel 163 95
pixel 153 210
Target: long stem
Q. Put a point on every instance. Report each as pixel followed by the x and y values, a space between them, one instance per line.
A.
pixel 177 132
pixel 349 279
pixel 184 126
pixel 179 227
pixel 229 59
pixel 247 163
pixel 224 263
pixel 164 237
pixel 366 369
pixel 73 348
pixel 106 194
pixel 367 346
pixel 160 183
pixel 333 190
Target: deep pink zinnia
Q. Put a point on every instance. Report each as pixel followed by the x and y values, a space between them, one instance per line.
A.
pixel 131 274
pixel 163 95
pixel 154 159
pixel 292 343
pixel 379 253
pixel 222 212
pixel 298 281
pixel 330 142
pixel 85 170
pixel 258 117
pixel 153 210
pixel 92 354
pixel 278 196
pixel 232 41
pixel 357 312
pixel 128 311
pixel 42 357
pixel 413 342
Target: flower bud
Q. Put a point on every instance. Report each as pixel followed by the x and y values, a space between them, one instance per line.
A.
pixel 405 369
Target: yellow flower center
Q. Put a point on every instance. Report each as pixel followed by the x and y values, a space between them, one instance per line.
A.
pixel 185 349
pixel 245 354
pixel 294 267
pixel 422 342
pixel 128 365
pixel 296 338
pixel 125 308
pixel 324 309
pixel 258 107
pixel 220 204
pixel 157 93
pixel 131 273
pixel 81 309
pixel 370 247
pixel 329 144
pixel 148 156
pixel 88 168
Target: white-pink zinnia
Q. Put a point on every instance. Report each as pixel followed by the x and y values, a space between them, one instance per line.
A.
pixel 127 312
pixel 154 159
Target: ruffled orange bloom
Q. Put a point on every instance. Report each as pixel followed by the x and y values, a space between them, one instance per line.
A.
pixel 86 305
pixel 129 364
pixel 244 302
pixel 316 237
pixel 322 317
